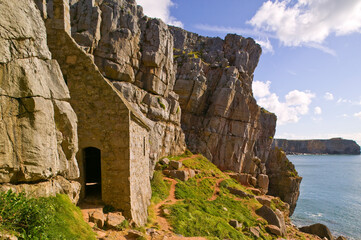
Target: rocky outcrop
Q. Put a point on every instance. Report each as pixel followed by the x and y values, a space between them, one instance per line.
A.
pixel 220 117
pixel 135 53
pixel 38 139
pixel 318 229
pixel 318 146
pixel 284 181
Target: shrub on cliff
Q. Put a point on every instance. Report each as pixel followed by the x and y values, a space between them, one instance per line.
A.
pixel 42 218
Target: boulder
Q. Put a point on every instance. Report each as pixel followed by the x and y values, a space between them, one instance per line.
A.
pixel 273 218
pixel 234 223
pixel 239 193
pixel 318 229
pixel 284 181
pixel 255 231
pixel 341 238
pixel 113 220
pixel 179 174
pixel 192 173
pixel 176 165
pixel 164 161
pixel 264 200
pixel 253 181
pixel 274 230
pixel 263 181
pixel 97 217
pixel 134 234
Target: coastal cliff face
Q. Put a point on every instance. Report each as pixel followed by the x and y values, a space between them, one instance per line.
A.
pixel 220 117
pixel 330 146
pixel 135 53
pixel 126 67
pixel 284 181
pixel 38 140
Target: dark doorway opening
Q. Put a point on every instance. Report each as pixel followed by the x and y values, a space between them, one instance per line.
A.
pixel 93 177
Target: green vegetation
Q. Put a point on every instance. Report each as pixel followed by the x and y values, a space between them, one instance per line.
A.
pixel 193 189
pixel 42 218
pixel 160 187
pixel 161 104
pixel 201 163
pixel 197 215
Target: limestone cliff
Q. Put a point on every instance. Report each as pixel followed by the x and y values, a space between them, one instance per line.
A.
pixel 284 181
pixel 317 146
pixel 220 117
pixel 38 127
pixel 136 54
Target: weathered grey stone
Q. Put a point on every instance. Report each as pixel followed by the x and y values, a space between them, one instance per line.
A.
pixel 341 238
pixel 263 182
pixel 239 193
pixel 192 173
pixel 253 181
pixel 255 231
pixel 220 117
pixel 134 234
pixel 97 217
pixel 264 200
pixel 284 181
pixel 234 223
pixel 113 220
pixel 179 174
pixel 164 161
pixel 273 218
pixel 318 229
pixel 274 230
pixel 38 127
pixel 176 165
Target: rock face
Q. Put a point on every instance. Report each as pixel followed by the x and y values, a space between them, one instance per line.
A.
pixel 330 146
pixel 318 229
pixel 220 117
pixel 135 53
pixel 284 181
pixel 38 139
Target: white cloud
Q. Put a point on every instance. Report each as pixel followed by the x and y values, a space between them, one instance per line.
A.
pixel 160 9
pixel 296 102
pixel 261 89
pixel 317 111
pixel 308 22
pixel 358 115
pixel 328 96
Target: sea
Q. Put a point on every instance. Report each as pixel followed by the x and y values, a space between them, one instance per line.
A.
pixel 330 193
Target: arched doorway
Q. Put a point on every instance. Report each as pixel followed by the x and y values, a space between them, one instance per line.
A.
pixel 93 177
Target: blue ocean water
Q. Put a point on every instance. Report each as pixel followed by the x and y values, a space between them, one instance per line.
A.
pixel 330 193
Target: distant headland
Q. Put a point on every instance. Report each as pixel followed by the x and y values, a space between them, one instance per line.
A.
pixel 318 146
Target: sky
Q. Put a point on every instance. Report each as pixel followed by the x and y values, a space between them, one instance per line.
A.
pixel 309 73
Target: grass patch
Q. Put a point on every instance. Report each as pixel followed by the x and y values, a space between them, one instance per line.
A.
pixel 160 187
pixel 210 219
pixel 193 189
pixel 42 218
pixel 161 104
pixel 201 163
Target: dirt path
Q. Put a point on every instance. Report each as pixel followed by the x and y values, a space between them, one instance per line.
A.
pixel 216 190
pixel 193 156
pixel 162 221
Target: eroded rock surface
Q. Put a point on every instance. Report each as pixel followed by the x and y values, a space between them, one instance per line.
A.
pixel 136 54
pixel 38 127
pixel 220 117
pixel 284 181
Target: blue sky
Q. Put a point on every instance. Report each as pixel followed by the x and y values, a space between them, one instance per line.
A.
pixel 310 71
